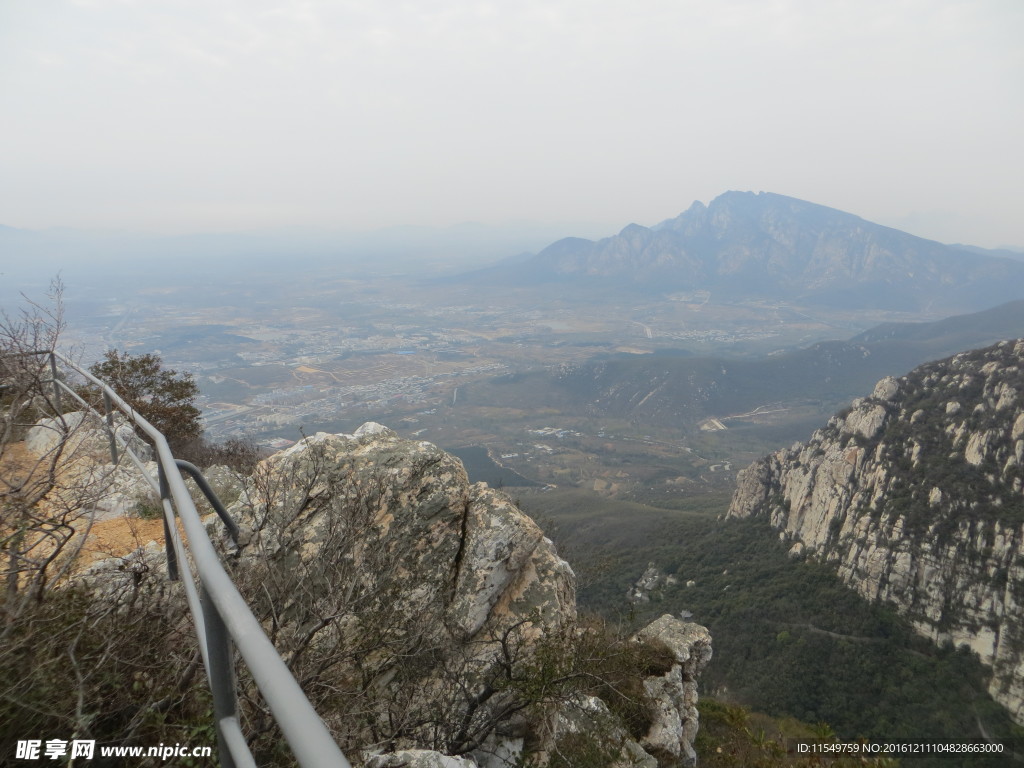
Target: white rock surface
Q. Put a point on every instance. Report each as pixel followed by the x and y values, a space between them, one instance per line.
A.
pixel 933 540
pixel 418 758
pixel 673 695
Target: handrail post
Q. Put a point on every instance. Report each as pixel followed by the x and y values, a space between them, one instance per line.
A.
pixel 221 673
pixel 165 496
pixel 108 406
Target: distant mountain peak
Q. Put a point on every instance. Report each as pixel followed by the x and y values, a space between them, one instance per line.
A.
pixel 631 230
pixel 769 246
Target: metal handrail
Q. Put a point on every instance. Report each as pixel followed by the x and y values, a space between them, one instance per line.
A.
pixel 221 616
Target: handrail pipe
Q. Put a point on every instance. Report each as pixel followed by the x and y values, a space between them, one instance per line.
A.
pixel 222 618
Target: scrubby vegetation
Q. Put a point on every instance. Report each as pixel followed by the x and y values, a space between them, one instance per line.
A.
pixel 167 400
pixel 164 397
pixel 790 640
pixel 121 671
pixel 732 736
pixel 116 670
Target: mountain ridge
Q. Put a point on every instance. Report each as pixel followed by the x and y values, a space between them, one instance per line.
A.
pixel 681 391
pixel 745 244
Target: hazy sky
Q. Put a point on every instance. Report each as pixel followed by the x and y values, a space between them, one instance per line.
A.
pixel 214 115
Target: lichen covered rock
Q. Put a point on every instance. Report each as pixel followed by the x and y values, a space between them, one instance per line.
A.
pixel 673 695
pixel 418 758
pixel 466 549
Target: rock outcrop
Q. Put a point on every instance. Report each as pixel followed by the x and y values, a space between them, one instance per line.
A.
pixel 83 434
pixel 675 720
pixel 479 562
pixel 418 758
pixel 651 583
pixel 429 619
pixel 88 480
pixel 916 495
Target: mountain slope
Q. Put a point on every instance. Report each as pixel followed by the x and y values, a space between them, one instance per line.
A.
pixel 916 495
pixel 960 332
pixel 767 245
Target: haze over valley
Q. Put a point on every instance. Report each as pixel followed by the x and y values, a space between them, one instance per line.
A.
pixel 618 387
pixel 621 379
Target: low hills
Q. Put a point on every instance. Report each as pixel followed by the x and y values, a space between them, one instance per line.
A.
pixel 680 392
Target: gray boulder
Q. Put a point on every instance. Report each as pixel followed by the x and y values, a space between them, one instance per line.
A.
pixel 418 758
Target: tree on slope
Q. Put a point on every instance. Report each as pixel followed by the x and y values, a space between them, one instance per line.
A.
pixel 164 397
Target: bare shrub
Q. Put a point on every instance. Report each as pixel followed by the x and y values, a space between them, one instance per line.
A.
pixel 73 665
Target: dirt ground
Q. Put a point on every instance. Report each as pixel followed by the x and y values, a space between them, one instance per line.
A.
pixel 114 537
pixel 119 536
pixel 16 461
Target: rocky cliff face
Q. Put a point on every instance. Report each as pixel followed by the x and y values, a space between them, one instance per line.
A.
pixel 916 495
pixel 430 621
